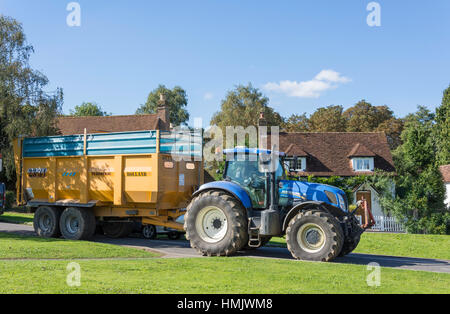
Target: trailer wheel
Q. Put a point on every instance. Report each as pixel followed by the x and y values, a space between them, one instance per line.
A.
pixel 117 230
pixel 314 235
pixel 77 223
pixel 216 224
pixel 46 222
pixel 149 232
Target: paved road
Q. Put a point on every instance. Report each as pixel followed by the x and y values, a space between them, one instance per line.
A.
pixel 181 248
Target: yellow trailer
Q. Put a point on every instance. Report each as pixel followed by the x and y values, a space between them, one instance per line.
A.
pixel 75 183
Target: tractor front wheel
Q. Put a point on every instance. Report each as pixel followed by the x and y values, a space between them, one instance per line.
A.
pixel 314 235
pixel 216 224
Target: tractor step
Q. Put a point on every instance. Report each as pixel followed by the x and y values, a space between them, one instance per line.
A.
pixel 254 239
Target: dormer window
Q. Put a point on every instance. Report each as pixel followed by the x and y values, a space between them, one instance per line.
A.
pixel 363 164
pixel 362 158
pixel 295 164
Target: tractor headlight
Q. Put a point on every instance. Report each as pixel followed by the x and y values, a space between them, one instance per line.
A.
pixel 342 203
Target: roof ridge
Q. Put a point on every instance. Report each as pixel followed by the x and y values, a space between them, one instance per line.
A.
pixel 113 116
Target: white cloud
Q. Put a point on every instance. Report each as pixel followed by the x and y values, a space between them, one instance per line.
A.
pixel 325 80
pixel 208 96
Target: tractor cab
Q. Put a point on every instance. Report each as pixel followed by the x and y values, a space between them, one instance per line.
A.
pixel 251 169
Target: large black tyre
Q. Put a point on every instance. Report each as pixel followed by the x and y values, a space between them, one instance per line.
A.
pixel 216 224
pixel 46 222
pixel 264 241
pixel 314 235
pixel 349 245
pixel 77 223
pixel 117 230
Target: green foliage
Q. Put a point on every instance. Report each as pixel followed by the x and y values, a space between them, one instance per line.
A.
pixel 329 119
pixel 25 108
pixel 242 107
pixel 443 130
pixel 87 109
pixel 419 186
pixel 363 117
pixel 176 100
pixel 10 199
pixel 296 123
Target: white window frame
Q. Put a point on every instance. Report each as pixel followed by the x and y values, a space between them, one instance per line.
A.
pixel 363 159
pixel 298 161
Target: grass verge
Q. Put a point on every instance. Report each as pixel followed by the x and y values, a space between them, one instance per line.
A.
pixel 21 247
pixel 17 218
pixel 212 275
pixel 408 245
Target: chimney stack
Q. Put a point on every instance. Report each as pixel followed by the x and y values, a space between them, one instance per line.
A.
pixel 163 110
pixel 262 119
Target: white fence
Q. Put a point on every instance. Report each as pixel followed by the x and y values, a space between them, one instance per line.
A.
pixel 385 224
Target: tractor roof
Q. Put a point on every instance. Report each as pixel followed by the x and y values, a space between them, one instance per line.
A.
pixel 250 151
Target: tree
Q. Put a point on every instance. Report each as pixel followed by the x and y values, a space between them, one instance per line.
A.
pixel 25 109
pixel 329 119
pixel 393 129
pixel 88 109
pixel 443 130
pixel 363 117
pixel 176 99
pixel 296 123
pixel 419 187
pixel 242 107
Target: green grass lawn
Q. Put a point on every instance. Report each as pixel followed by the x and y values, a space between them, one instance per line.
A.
pixel 20 247
pixel 409 245
pixel 19 273
pixel 17 218
pixel 212 275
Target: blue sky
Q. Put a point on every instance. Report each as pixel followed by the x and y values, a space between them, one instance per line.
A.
pixel 302 54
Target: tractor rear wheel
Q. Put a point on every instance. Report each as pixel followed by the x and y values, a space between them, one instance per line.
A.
pixel 216 224
pixel 77 223
pixel 46 222
pixel 314 235
pixel 117 230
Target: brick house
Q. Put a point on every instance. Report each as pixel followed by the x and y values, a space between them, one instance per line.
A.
pixel 339 154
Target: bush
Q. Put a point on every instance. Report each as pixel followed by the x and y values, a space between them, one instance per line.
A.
pixel 10 199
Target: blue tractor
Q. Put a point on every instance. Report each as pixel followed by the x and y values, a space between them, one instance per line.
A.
pixel 255 202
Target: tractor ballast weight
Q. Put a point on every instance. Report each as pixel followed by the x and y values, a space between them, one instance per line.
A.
pixel 314 217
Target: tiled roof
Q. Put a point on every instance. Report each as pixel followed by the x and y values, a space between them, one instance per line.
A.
pixel 329 154
pixel 76 125
pixel 359 150
pixel 445 171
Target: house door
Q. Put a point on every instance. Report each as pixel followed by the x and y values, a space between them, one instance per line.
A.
pixel 367 195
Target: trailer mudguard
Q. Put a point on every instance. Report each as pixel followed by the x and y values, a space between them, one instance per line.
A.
pixel 335 211
pixel 234 189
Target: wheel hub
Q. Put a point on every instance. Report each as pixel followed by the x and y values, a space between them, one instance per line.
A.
pixel 311 237
pixel 72 224
pixel 45 223
pixel 211 224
